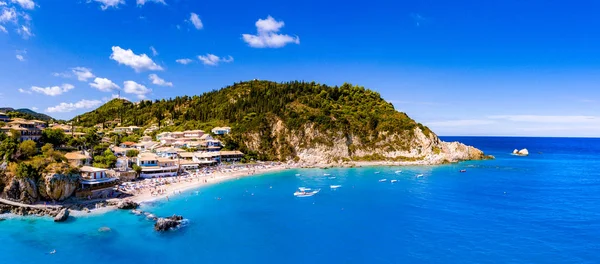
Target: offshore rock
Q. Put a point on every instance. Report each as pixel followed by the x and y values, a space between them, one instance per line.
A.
pixel 523 152
pixel 62 215
pixel 168 223
pixel 127 205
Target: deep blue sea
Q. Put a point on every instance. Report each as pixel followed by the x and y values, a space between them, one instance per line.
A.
pixel 544 208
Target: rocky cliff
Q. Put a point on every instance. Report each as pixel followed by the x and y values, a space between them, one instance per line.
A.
pixel 312 145
pixel 57 187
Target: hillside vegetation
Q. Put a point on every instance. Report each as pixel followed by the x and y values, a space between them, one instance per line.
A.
pixel 282 121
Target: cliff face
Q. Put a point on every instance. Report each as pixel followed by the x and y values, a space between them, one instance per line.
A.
pixel 57 187
pixel 315 146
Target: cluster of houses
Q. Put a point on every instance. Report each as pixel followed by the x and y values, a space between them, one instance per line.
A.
pixel 27 129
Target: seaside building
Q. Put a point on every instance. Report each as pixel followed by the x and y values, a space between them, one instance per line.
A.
pixel 78 158
pixel 154 166
pixel 221 130
pixel 4 117
pixel 95 178
pixel 27 129
pixel 119 151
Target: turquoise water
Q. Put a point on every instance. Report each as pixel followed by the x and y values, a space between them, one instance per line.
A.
pixel 538 209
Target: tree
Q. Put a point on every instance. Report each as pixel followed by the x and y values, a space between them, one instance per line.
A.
pixel 137 169
pixel 106 160
pixel 56 137
pixel 27 149
pixel 132 153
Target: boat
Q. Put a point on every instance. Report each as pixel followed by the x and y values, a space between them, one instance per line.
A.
pixel 335 186
pixel 331 178
pixel 420 176
pixel 463 170
pixel 398 171
pixel 376 172
pixel 297 174
pixel 306 192
pixel 392 181
pixel 326 174
pixel 382 180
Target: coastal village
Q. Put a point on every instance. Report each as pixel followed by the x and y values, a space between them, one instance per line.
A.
pixel 129 167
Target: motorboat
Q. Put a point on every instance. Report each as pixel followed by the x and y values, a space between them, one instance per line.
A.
pixel 377 172
pixel 463 171
pixel 420 176
pixel 306 192
pixel 382 180
pixel 392 181
pixel 297 174
pixel 331 178
pixel 326 174
pixel 335 186
pixel 398 171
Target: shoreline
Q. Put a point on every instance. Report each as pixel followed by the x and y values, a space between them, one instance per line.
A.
pixel 188 183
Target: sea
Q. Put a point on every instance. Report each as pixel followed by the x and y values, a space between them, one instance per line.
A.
pixel 543 208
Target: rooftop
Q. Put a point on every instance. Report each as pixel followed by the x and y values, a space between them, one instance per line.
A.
pixel 91 169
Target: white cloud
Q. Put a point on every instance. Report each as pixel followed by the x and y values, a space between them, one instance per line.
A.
pixel 267 36
pixel 159 81
pixel 196 21
pixel 572 119
pixel 20 57
pixel 213 60
pixel 2 3
pixel 24 91
pixel 26 4
pixel 104 85
pixel 105 4
pixel 25 32
pixel 3 29
pixel 34 108
pixel 69 107
pixel 184 61
pixel 143 2
pixel 132 87
pixel 154 52
pixel 82 73
pixel 8 15
pixel 61 74
pixel 54 90
pixel 137 62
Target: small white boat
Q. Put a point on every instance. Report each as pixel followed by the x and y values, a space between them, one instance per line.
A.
pixel 398 171
pixel 382 180
pixel 326 174
pixel 53 252
pixel 306 193
pixel 377 172
pixel 331 178
pixel 335 186
pixel 298 174
pixel 392 181
pixel 420 176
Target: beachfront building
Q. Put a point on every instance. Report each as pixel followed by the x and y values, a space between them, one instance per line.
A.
pixel 4 117
pixel 95 178
pixel 78 158
pixel 154 166
pixel 221 130
pixel 231 156
pixel 26 130
pixel 168 152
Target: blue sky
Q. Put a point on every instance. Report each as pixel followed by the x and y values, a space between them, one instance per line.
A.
pixel 510 67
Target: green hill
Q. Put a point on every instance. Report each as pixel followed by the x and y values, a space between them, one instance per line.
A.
pixel 282 121
pixel 25 113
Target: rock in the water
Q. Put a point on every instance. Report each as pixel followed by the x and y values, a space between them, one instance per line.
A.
pixel 127 205
pixel 524 152
pixel 166 224
pixel 62 215
pixel 516 151
pixel 104 229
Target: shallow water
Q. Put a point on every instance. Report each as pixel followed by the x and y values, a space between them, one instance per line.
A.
pixel 538 209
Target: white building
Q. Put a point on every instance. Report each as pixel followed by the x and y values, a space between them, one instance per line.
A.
pixel 94 178
pixel 221 130
pixel 155 167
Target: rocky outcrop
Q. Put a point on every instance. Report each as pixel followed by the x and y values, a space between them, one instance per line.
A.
pixel 62 215
pixel 23 190
pixel 310 145
pixel 168 223
pixel 523 152
pixel 127 205
pixel 58 187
